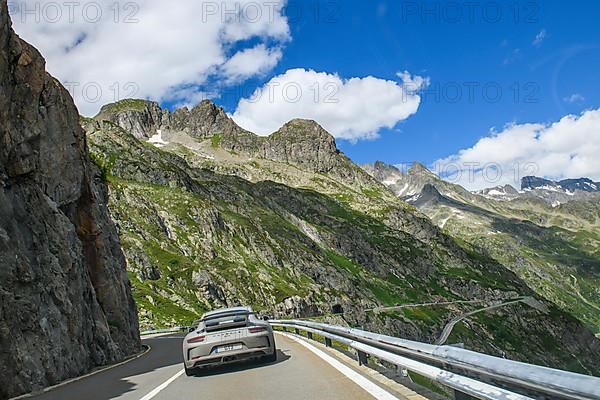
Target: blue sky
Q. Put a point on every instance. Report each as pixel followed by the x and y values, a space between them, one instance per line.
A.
pixel 382 38
pixel 512 84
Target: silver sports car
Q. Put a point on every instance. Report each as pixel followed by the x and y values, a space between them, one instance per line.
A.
pixel 226 336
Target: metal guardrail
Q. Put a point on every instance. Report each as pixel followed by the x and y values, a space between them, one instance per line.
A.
pixel 468 373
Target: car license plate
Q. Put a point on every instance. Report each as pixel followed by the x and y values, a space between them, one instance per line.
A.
pixel 229 347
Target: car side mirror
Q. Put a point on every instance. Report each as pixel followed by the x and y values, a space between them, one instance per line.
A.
pixel 191 329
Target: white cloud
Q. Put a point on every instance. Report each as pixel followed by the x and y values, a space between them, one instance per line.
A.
pixel 567 148
pixel 574 98
pixel 539 38
pixel 250 62
pixel 352 109
pixel 413 82
pixel 172 45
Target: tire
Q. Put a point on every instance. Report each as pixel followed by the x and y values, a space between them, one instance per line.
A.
pixel 271 357
pixel 189 372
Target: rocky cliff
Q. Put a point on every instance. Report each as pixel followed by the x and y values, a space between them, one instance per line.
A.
pixel 145 118
pixel 65 298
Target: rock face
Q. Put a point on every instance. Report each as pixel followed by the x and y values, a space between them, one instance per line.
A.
pixel 144 118
pixel 65 299
pixel 305 143
pixel 428 196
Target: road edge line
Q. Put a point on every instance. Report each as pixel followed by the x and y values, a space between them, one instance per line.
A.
pixel 364 383
pixel 73 380
pixel 162 386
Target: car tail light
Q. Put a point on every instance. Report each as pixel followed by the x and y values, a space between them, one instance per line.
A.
pixel 257 329
pixel 197 339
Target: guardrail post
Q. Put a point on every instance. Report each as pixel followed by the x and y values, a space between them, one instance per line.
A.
pixel 284 328
pixel 328 342
pixel 309 335
pixel 362 357
pixel 297 331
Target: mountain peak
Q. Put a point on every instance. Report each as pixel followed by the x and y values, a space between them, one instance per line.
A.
pixel 207 106
pixel 304 121
pixel 510 189
pixel 584 184
pixel 140 117
pixel 383 172
pixel 418 168
pixel 428 195
pixel 304 129
pixel 534 182
pixel 305 133
pixel 383 166
pixel 303 142
pixel 127 105
pixel 203 121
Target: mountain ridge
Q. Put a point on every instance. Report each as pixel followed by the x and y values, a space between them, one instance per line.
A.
pixel 299 141
pixel 568 185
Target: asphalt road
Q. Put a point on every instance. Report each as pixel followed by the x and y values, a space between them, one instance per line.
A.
pixel 450 325
pixel 298 373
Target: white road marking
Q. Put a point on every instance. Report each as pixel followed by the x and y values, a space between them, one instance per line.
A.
pixel 366 384
pixel 82 377
pixel 160 388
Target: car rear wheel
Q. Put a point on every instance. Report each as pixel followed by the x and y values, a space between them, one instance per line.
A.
pixel 271 357
pixel 189 371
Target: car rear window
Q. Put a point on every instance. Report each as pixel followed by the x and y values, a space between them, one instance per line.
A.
pixel 227 321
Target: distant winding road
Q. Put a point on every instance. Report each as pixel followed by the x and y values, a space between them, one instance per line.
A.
pixel 578 292
pixel 441 303
pixel 450 325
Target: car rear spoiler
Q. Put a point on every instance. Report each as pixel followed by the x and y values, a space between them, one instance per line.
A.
pixel 237 321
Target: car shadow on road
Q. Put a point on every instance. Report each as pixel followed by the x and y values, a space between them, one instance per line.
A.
pixel 241 366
